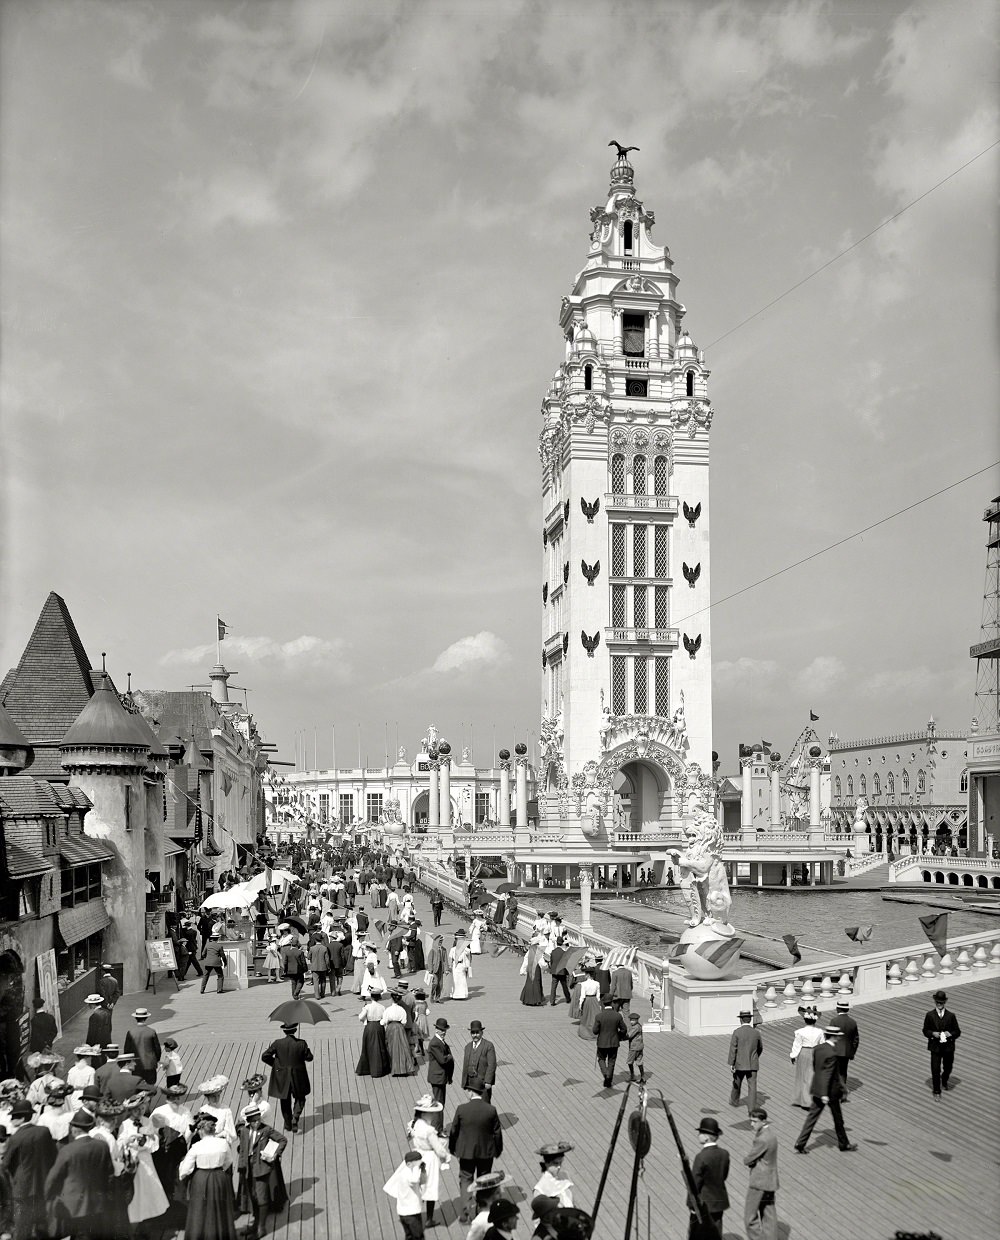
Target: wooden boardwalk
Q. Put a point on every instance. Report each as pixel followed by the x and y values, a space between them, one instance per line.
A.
pixel 923 1164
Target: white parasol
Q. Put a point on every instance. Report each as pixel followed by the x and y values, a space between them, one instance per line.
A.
pixel 259 881
pixel 237 896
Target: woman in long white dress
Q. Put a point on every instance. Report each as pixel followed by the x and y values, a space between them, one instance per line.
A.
pixel 460 960
pixel 804 1044
pixel 138 1140
pixel 426 1139
pixel 476 928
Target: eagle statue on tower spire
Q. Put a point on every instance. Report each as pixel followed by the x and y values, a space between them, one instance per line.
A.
pixel 622 150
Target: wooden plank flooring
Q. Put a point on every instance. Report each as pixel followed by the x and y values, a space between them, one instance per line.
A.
pixel 923 1164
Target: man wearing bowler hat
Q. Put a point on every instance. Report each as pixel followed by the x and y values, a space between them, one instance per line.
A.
pixel 475 1138
pixel 27 1159
pixel 942 1032
pixel 287 1058
pixel 825 1090
pixel 745 1049
pixel 759 1211
pixel 709 1171
pixel 479 1061
pixel 440 1061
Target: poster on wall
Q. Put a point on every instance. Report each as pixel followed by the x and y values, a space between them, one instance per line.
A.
pixel 48 984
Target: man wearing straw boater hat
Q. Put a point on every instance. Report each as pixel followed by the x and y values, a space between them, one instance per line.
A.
pixel 142 1040
pixel 99 1023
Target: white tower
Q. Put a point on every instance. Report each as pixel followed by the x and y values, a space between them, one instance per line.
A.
pixel 627 652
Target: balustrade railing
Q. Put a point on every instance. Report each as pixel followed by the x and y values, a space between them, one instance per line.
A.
pixel 667 503
pixel 862 865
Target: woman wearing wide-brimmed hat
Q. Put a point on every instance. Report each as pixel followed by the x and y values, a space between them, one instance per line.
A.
pixel 807 1037
pixel 207 1166
pixel 460 960
pixel 424 1131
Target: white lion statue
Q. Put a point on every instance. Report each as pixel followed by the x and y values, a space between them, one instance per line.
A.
pixel 702 873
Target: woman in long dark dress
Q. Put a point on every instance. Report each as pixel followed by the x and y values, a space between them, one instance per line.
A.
pixel 532 994
pixel 211 1212
pixel 374 1059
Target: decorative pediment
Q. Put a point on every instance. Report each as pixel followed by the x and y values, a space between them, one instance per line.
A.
pixel 637 284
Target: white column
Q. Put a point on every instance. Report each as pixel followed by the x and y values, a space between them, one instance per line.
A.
pixel 775 797
pixel 444 792
pixel 654 336
pixel 521 792
pixel 503 802
pixel 434 801
pixel 586 884
pixel 746 801
pixel 814 774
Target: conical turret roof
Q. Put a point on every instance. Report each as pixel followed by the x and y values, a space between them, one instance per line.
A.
pixel 11 736
pixel 104 721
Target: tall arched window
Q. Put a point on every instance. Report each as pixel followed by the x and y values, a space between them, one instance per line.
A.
pixel 588 378
pixel 627 237
pixel 890 784
pixel 876 785
pixel 689 383
pixel 921 782
pixel 862 787
pixel 906 782
pixel 836 786
pixel 639 475
pixel 964 785
pixel 618 474
pixel 850 785
pixel 661 475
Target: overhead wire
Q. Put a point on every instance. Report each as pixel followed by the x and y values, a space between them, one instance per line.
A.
pixel 839 543
pixel 854 245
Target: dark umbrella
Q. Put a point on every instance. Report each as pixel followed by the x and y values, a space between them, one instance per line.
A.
pixel 399 933
pixel 572 958
pixel 295 922
pixel 299 1012
pixel 484 901
pixel 506 887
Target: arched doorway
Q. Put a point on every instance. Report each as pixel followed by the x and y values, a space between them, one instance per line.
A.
pixel 420 809
pixel 645 794
pixel 13 1019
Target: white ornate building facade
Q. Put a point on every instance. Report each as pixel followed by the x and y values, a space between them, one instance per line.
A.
pixel 626 639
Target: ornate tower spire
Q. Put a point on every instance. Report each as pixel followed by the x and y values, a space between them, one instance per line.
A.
pixel 624 445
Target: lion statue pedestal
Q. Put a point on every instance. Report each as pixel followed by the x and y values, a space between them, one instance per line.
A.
pixel 708 948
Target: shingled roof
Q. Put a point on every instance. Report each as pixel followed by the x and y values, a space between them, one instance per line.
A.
pixel 24 797
pixel 49 687
pixel 11 736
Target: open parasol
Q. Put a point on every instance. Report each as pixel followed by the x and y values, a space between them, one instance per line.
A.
pixel 299 1012
pixel 237 896
pixel 572 957
pixel 506 887
pixel 295 922
pixel 259 881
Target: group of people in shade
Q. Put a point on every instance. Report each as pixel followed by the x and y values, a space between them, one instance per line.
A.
pixel 115 1151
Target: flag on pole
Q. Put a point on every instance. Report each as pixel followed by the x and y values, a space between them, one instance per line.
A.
pixel 860 934
pixel 791 941
pixel 936 928
pixel 223 629
pixel 813 717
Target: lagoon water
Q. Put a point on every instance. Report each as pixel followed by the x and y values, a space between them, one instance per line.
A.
pixel 817 916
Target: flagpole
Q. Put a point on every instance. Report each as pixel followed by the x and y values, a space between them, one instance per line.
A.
pixel 333 738
pixel 218 638
pixel 315 749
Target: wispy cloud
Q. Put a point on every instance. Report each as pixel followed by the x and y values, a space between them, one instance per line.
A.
pixel 821 675
pixel 478 652
pixel 744 673
pixel 305 652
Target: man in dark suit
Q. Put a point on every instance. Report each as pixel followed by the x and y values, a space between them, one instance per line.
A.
pixel 942 1032
pixel 27 1159
pixel 123 1083
pixel 78 1189
pixel 709 1171
pixel 261 1183
pixel 440 1061
pixel 479 1061
pixel 825 1090
pixel 99 1023
pixel 287 1058
pixel 319 963
pixel 745 1049
pixel 108 1069
pixel 843 1033
pixel 142 1041
pixel 44 1030
pixel 293 965
pixel 475 1138
pixel 760 1214
pixel 610 1029
pixel 108 986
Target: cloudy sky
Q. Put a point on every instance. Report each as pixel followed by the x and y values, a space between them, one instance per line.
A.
pixel 279 305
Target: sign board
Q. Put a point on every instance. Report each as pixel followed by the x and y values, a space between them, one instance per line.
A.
pixel 160 956
pixel 48 984
pixel 236 964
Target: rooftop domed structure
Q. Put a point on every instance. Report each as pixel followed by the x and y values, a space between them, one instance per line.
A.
pixel 104 723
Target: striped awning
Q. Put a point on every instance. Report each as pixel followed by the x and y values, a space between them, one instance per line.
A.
pixel 170 849
pixel 83 921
